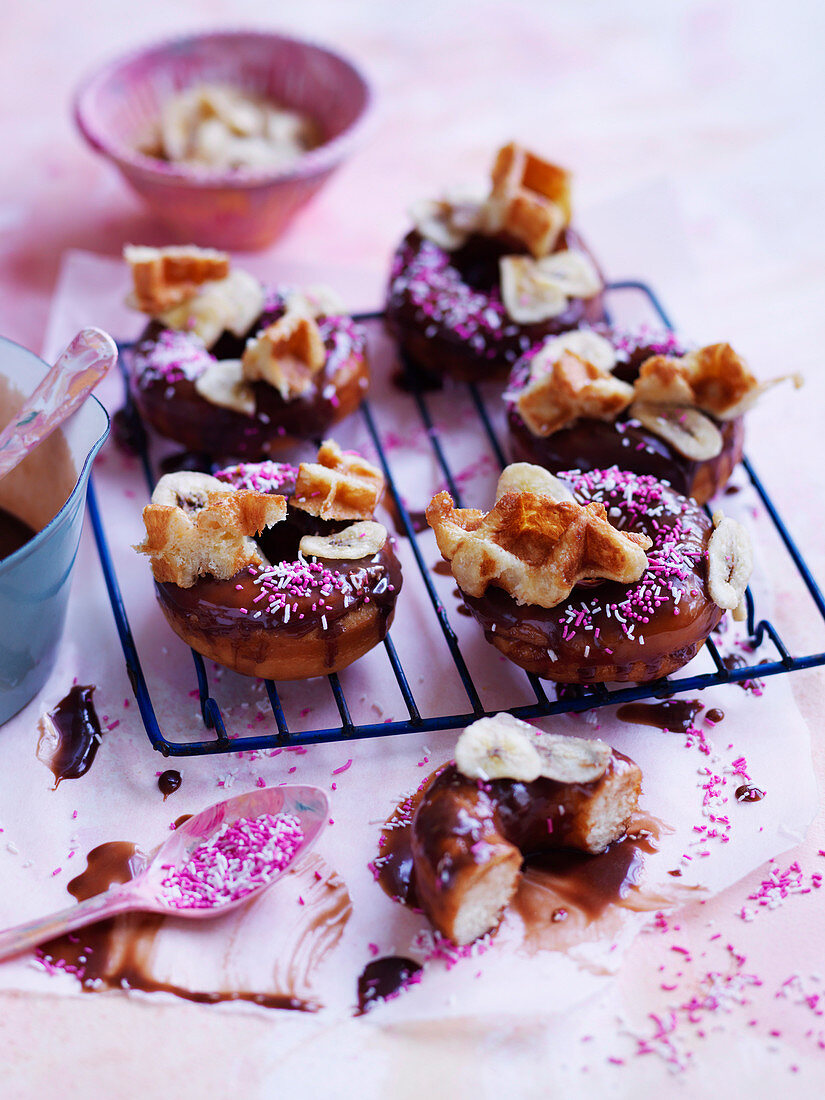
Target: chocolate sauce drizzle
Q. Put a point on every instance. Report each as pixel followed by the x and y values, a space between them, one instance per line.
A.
pixel 672 715
pixel 384 978
pixel 117 953
pixel 70 736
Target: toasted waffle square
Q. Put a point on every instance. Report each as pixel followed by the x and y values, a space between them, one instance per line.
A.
pixel 714 379
pixel 530 198
pixel 288 354
pixel 571 387
pixel 165 277
pixel 537 549
pixel 184 544
pixel 338 485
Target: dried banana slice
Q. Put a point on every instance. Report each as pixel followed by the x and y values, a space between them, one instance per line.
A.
pixel 314 302
pixel 587 345
pixel 523 477
pixel 686 429
pixel 187 489
pixel 572 272
pixel 231 305
pixel 359 540
pixel 730 563
pixel 504 747
pixel 223 384
pixel 498 748
pixel 444 222
pixel 537 290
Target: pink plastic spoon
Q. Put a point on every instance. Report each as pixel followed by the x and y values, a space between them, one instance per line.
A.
pixel 146 892
pixel 65 387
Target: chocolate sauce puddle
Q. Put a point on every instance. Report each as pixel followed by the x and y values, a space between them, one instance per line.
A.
pixel 118 953
pixel 561 892
pixel 736 660
pixel 70 735
pixel 384 978
pixel 169 782
pixel 672 715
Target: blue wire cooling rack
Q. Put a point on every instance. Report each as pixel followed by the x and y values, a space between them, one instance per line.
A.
pixel 575 698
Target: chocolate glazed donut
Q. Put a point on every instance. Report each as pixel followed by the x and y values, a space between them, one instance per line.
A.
pixel 305 620
pixel 445 308
pixel 165 364
pixel 469 837
pixel 611 631
pixel 596 444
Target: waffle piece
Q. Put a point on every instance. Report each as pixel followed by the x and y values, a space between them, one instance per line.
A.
pixel 533 547
pixel 530 199
pixel 338 485
pixel 714 379
pixel 194 528
pixel 571 388
pixel 288 355
pixel 165 277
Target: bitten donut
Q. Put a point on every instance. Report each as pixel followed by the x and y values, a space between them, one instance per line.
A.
pixel 227 368
pixel 591 399
pixel 511 792
pixel 597 576
pixel 475 284
pixel 283 591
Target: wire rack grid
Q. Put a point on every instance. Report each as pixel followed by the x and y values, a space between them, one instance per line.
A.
pixel 572 699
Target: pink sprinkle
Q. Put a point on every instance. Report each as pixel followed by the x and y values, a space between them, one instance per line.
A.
pixel 343 768
pixel 241 856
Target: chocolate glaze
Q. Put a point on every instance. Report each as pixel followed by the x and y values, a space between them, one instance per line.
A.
pixel 596 444
pixel 555 880
pixel 526 632
pixel 75 723
pixel 673 715
pixel 715 715
pixel 186 460
pixel 213 607
pixel 169 782
pixel 175 408
pixel 117 953
pixel 384 978
pixel 437 346
pixel 128 431
pixel 14 533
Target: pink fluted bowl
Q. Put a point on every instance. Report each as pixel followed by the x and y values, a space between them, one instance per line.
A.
pixel 117 107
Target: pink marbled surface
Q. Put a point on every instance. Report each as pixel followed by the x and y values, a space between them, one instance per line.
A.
pixel 699 116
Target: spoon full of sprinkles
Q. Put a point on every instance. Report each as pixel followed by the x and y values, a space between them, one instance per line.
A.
pixel 212 862
pixel 62 391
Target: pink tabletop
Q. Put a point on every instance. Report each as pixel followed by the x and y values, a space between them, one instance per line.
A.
pixel 700 116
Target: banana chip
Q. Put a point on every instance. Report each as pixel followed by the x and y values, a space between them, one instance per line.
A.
pixel 687 430
pixel 730 563
pixel 359 540
pixel 504 747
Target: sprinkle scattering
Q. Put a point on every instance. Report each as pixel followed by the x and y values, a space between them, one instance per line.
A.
pixel 240 857
pixel 260 477
pixel 673 559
